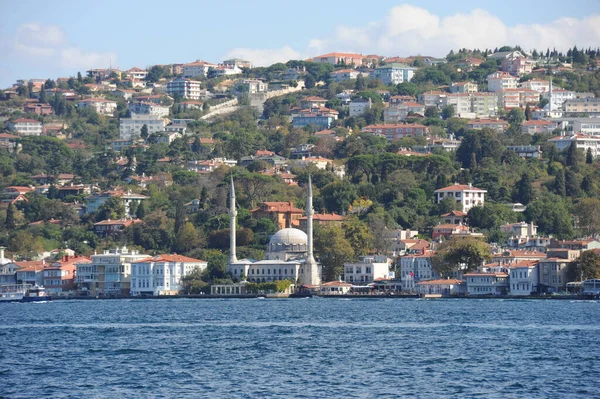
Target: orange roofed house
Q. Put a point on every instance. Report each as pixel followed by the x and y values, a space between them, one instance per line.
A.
pixel 283 214
pixel 59 276
pixel 467 195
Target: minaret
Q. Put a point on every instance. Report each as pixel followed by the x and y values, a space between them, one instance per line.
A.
pixel 311 272
pixel 232 226
pixel 550 98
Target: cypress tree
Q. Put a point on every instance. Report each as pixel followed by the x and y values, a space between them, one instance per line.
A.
pixel 589 159
pixel 571 159
pixel 559 184
pixel 10 222
pixel 524 189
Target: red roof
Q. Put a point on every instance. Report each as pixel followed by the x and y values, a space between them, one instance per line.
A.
pixel 455 213
pixel 324 217
pixel 25 120
pixel 170 258
pixel 459 187
pixel 314 98
pixel 125 223
pixel 328 55
pixel 280 207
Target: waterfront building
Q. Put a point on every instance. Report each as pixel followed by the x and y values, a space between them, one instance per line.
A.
pixel 289 254
pixel 415 268
pixel 335 288
pixel 442 287
pixel 368 269
pixel 59 276
pixel 486 283
pixel 162 274
pixel 524 277
pixel 108 273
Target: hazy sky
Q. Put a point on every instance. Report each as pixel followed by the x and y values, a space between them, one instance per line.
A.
pixel 42 39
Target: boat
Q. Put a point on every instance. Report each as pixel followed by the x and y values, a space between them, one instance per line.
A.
pixel 36 294
pixel 13 292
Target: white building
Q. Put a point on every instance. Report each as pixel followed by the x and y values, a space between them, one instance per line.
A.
pixel 558 97
pixel 467 195
pixel 520 229
pixel 108 273
pixel 486 283
pixel 393 73
pixel 26 127
pixel 130 128
pixel 368 269
pixel 581 142
pixel 148 108
pixel 415 268
pixel 587 126
pixel 538 85
pixel 359 106
pixel 498 81
pixel 162 274
pixel 346 74
pixel 524 278
pixel 185 88
pixel 197 68
pixel 100 105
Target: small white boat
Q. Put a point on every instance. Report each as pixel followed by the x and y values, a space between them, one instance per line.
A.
pixel 23 293
pixel 36 294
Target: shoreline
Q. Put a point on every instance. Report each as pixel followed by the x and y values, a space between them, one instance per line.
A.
pixel 272 296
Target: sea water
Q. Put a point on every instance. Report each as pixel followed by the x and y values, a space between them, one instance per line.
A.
pixel 300 348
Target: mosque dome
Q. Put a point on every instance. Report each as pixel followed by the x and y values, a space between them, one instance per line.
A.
pixel 288 237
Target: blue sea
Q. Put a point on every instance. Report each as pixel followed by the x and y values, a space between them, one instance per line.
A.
pixel 300 348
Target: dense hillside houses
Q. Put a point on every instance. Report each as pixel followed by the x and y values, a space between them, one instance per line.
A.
pixel 366 173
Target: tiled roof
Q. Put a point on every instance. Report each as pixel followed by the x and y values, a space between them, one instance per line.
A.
pixel 459 187
pixel 170 258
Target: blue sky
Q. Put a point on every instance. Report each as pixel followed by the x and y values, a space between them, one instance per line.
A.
pixel 58 38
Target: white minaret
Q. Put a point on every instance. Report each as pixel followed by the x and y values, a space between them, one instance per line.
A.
pixel 232 225
pixel 311 272
pixel 550 98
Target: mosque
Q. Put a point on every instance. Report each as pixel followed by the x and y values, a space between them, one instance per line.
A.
pixel 289 254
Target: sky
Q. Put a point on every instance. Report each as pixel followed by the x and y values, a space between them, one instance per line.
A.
pixel 50 39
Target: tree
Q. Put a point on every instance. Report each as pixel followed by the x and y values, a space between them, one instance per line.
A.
pixel 465 253
pixel 550 213
pixel 572 156
pixel 515 117
pixel 188 238
pixel 358 235
pixel 155 74
pixel 589 158
pixel 309 81
pixel 588 214
pixel 490 216
pixel 144 132
pixel 432 112
pixel 559 186
pixel 361 83
pixel 10 222
pixel 333 250
pixel 448 111
pixel 524 190
pixel 588 265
